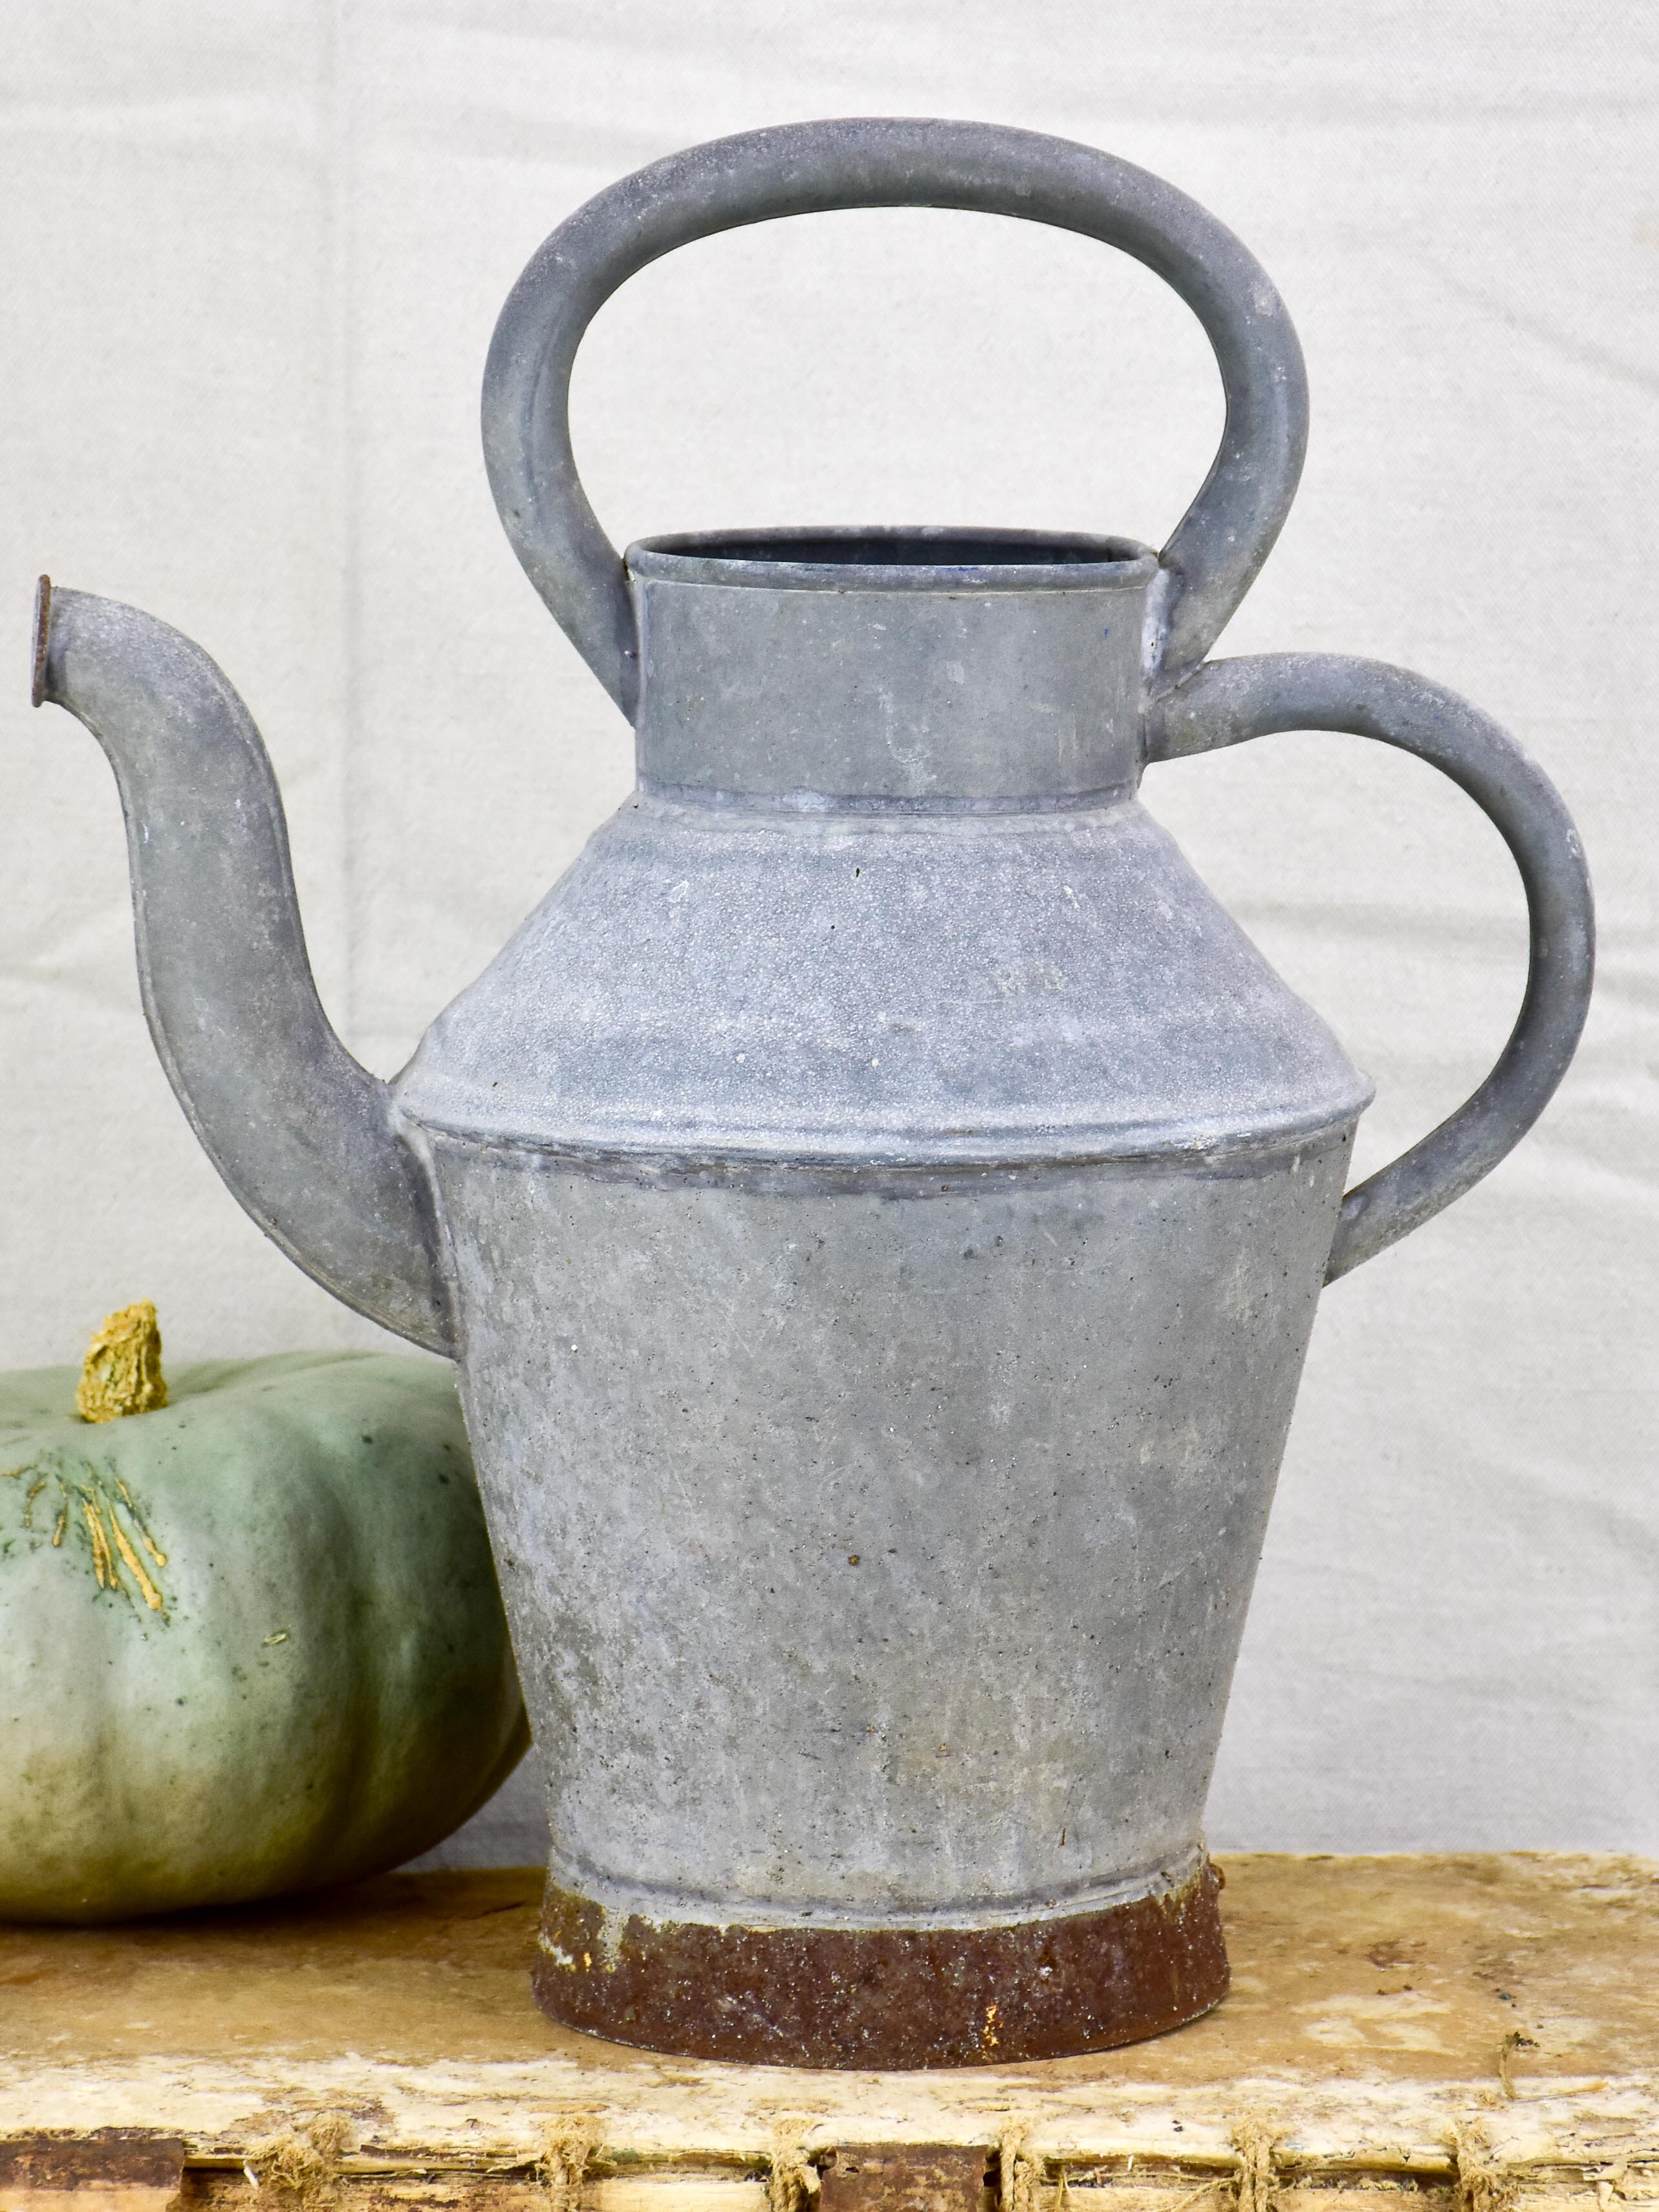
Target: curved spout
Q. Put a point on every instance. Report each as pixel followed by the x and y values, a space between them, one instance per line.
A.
pixel 307 1140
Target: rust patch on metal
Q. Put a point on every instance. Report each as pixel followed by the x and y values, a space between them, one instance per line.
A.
pixel 908 2177
pixel 886 1997
pixel 42 639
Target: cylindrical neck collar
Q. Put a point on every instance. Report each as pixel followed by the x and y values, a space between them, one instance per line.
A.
pixel 954 668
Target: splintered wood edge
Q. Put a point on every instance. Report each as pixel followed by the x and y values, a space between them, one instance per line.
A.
pixel 1620 2153
pixel 214 2183
pixel 1638 2183
pixel 699 2130
pixel 1154 2183
pixel 1617 2160
pixel 208 2183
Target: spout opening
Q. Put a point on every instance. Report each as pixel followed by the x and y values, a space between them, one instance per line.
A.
pixel 895 558
pixel 42 639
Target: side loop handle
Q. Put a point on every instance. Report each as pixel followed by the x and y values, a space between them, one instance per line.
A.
pixel 1231 700
pixel 806 168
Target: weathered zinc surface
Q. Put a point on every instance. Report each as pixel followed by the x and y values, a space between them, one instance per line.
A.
pixel 878 1201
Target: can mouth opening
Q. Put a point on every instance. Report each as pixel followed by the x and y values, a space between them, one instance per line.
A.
pixel 894 555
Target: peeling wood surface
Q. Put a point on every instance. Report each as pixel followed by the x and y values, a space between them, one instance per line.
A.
pixel 1482 2031
pixel 107 2169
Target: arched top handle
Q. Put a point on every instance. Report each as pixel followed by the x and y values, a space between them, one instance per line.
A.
pixel 806 168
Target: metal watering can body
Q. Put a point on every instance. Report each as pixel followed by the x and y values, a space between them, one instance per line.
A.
pixel 878 1202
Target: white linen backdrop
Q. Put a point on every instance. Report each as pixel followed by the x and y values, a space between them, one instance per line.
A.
pixel 253 250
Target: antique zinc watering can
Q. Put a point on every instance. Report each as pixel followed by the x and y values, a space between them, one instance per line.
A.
pixel 877 1202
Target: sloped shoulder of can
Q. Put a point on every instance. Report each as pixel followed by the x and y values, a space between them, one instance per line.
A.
pixel 1446 2025
pixel 885 988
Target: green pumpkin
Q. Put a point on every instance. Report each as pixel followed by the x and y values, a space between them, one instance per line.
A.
pixel 250 1642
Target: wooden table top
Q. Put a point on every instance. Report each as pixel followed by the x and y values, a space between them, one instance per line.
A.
pixel 1379 2007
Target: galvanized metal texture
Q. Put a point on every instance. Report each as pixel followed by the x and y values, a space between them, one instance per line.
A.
pixel 1233 700
pixel 878 1202
pixel 884 1997
pixel 878 664
pixel 885 897
pixel 880 1553
pixel 307 1138
pixel 804 168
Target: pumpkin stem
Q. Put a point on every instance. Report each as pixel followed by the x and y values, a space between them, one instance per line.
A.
pixel 121 1373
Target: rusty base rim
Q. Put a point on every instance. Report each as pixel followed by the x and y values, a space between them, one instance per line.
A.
pixel 898 1997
